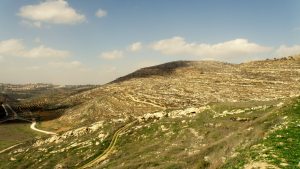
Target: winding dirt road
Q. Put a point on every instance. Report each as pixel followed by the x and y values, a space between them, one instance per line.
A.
pixel 32 126
pixel 109 149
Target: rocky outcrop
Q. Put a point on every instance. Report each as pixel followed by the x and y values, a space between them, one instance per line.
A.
pixel 72 133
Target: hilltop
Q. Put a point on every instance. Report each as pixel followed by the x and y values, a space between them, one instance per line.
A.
pixel 186 83
pixel 183 114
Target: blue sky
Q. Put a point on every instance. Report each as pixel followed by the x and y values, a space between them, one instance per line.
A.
pixel 65 42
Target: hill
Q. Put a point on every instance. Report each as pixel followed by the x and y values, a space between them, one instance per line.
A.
pixel 183 114
pixel 181 84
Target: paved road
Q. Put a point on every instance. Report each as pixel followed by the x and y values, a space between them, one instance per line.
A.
pixel 109 149
pixel 13 116
pixel 10 112
pixel 32 126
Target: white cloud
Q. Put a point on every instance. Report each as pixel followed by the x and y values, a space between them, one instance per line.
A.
pixel 11 47
pixel 51 11
pixel 116 54
pixel 66 65
pixel 284 50
pixel 101 13
pixel 45 52
pixel 137 46
pixel 15 47
pixel 238 47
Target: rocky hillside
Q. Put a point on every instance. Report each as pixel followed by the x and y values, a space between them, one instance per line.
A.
pixel 182 84
pixel 183 114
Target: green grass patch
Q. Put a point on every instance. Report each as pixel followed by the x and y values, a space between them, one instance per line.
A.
pixel 280 147
pixel 13 133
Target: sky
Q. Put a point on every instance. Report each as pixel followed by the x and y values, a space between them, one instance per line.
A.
pixel 96 41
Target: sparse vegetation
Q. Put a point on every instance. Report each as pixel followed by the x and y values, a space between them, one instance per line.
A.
pixel 280 147
pixel 186 118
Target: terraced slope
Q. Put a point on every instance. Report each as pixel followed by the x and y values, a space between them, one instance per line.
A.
pixel 181 84
pixel 188 115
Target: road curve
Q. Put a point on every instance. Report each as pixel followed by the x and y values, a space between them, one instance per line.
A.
pixel 32 126
pixel 149 103
pixel 109 149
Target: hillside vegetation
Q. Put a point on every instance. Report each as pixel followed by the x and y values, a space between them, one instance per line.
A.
pixel 182 114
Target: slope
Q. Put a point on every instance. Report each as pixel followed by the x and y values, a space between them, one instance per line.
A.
pixel 189 115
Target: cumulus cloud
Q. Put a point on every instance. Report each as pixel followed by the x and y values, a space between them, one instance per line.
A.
pixel 178 46
pixel 101 13
pixel 51 11
pixel 284 50
pixel 66 65
pixel 111 55
pixel 11 47
pixel 15 47
pixel 135 47
pixel 42 51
